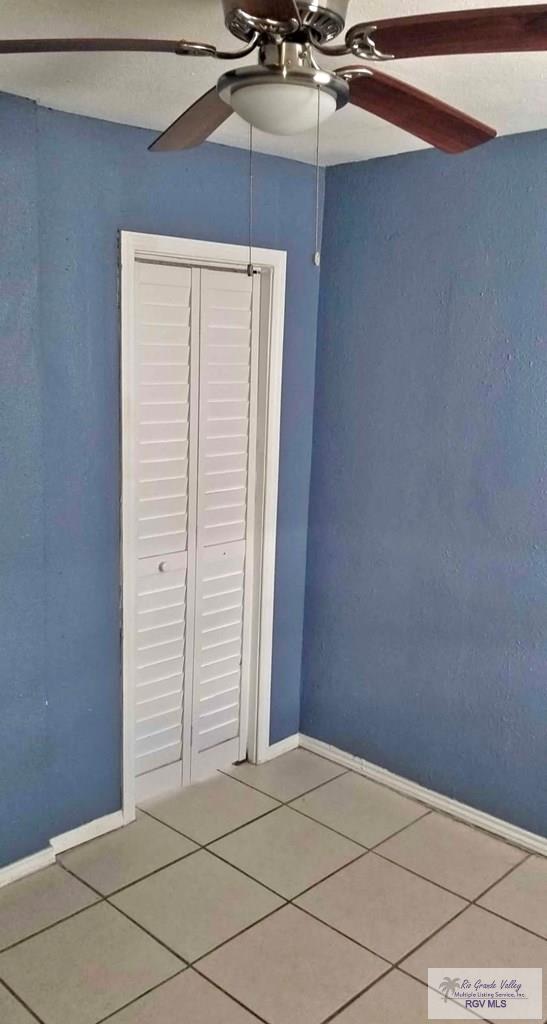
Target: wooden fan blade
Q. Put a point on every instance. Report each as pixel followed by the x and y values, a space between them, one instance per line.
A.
pixel 90 45
pixel 195 125
pixel 494 30
pixel 416 112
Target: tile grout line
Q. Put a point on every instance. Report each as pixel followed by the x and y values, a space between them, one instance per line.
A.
pixel 237 935
pixel 494 913
pixel 147 932
pixel 344 935
pixel 166 825
pixel 424 878
pixel 354 998
pixel 326 878
pixel 383 977
pixel 73 874
pixel 306 792
pixel 224 991
pixel 414 949
pixel 48 927
pixel 203 846
pixel 308 817
pixel 374 847
pixel 369 849
pixel 502 878
pixel 149 874
pixel 246 874
pixel 426 986
pixel 142 995
pixel 21 1001
pixel 290 805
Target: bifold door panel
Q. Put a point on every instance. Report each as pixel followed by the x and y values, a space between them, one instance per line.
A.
pixel 163 300
pixel 193 467
pixel 226 416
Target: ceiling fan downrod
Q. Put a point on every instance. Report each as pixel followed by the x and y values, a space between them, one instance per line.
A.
pixel 324 19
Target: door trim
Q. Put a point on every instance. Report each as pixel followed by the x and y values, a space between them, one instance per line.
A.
pixel 272 265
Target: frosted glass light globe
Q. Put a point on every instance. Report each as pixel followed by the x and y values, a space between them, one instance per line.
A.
pixel 282 108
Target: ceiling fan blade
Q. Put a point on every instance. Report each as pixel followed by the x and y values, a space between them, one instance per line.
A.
pixel 494 30
pixel 89 45
pixel 195 125
pixel 416 112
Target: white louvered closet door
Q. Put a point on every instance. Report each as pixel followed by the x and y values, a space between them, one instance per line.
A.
pixel 229 329
pixel 161 477
pixel 192 381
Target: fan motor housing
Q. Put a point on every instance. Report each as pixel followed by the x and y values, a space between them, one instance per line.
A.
pixel 326 18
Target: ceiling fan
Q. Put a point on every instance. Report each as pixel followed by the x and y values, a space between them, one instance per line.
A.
pixel 288 92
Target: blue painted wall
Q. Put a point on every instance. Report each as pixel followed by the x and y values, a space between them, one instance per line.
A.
pixel 67 185
pixel 425 645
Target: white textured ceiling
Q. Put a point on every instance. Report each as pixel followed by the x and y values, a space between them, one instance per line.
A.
pixel 150 90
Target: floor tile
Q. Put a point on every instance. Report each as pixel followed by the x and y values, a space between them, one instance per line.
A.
pixel 522 896
pixel 287 851
pixel 196 904
pixel 395 999
pixel 85 968
pixel 38 901
pixel 290 969
pixel 445 851
pixel 11 1011
pixel 209 809
pixel 360 809
pixel 379 904
pixel 288 776
pixel 187 999
pixel 477 937
pixel 129 853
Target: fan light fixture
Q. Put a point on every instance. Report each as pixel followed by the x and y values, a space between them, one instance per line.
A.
pixel 283 101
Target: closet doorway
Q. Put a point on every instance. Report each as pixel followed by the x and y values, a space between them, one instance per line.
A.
pixel 201 358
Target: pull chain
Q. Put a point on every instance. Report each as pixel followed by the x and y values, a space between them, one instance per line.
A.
pixel 317 253
pixel 250 263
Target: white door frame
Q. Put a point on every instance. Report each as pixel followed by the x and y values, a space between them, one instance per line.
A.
pixel 272 265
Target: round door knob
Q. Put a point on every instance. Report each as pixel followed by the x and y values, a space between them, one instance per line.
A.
pixel 162 567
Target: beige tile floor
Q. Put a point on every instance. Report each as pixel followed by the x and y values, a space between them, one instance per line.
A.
pixel 290 893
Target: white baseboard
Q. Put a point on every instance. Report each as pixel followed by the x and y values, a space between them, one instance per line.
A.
pixel 91 830
pixel 511 833
pixel 281 747
pixel 26 866
pixel 59 844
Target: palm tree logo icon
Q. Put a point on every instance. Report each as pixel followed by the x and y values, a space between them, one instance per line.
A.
pixel 449 986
